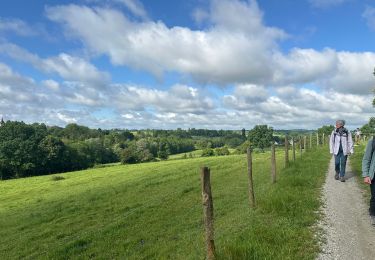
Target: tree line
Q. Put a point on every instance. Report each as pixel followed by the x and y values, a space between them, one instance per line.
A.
pixel 37 149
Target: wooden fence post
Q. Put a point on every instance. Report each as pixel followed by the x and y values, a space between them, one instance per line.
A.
pixel 310 141
pixel 250 175
pixel 286 151
pixel 294 149
pixel 305 143
pixel 208 212
pixel 300 146
pixel 273 164
pixel 317 139
pixel 324 141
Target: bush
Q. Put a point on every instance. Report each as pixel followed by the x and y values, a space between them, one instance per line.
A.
pixel 57 178
pixel 222 151
pixel 208 152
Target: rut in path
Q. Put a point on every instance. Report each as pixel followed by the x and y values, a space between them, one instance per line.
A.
pixel 348 233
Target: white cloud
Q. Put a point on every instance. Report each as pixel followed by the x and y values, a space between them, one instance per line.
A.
pixel 136 7
pixel 16 26
pixel 354 73
pixel 324 4
pixel 304 65
pixel 66 66
pixel 179 98
pixel 236 49
pixel 246 97
pixel 199 15
pixel 51 84
pixel 65 118
pixel 369 16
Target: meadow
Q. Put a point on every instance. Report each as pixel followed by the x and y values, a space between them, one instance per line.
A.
pixel 154 211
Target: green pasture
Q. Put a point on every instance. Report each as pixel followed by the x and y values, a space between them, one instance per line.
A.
pixel 153 211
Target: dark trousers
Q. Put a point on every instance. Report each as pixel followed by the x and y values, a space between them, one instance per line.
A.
pixel 340 163
pixel 372 200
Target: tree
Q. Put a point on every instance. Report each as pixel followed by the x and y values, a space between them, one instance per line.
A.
pixel 326 129
pixel 243 133
pixel 261 136
pixel 53 153
pixel 129 156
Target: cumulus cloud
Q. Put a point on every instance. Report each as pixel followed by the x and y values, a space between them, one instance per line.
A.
pixel 236 48
pixel 178 99
pixel 353 73
pixel 304 65
pixel 290 105
pixel 20 91
pixel 66 66
pixel 51 84
pixel 246 97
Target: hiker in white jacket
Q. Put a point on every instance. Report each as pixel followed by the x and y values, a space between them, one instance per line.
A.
pixel 340 145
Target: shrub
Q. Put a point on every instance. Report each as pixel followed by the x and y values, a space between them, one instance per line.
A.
pixel 208 152
pixel 57 178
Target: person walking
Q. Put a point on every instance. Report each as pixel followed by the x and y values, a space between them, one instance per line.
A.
pixel 368 169
pixel 340 145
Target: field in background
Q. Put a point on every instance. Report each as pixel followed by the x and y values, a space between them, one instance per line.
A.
pixel 153 210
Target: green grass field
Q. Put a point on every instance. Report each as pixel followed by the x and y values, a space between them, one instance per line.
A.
pixel 154 211
pixel 194 154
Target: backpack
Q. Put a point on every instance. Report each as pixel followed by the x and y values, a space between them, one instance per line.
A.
pixel 347 136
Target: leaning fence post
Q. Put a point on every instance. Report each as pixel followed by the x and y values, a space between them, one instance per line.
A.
pixel 208 212
pixel 286 151
pixel 294 150
pixel 250 175
pixel 273 164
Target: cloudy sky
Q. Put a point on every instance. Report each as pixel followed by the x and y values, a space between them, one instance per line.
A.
pixel 218 64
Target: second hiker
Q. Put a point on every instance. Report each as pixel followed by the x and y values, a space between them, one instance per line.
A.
pixel 340 145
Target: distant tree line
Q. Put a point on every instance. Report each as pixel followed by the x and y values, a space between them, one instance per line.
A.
pixel 37 149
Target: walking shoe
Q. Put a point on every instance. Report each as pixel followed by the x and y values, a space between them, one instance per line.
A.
pixel 336 176
pixel 372 220
pixel 342 179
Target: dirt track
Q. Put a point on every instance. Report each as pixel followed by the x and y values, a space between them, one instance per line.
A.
pixel 348 233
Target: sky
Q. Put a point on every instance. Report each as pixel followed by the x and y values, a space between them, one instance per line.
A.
pixel 167 64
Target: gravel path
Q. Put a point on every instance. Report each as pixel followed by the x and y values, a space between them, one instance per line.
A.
pixel 347 231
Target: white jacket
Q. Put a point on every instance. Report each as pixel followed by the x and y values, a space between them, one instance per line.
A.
pixel 346 141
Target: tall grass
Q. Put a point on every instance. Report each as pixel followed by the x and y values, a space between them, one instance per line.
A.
pixel 154 211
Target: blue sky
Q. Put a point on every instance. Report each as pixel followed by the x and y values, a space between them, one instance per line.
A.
pixel 215 64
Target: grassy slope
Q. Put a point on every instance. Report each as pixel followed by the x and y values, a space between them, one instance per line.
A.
pixel 153 210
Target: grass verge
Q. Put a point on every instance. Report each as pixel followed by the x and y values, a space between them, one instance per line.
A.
pixel 154 211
